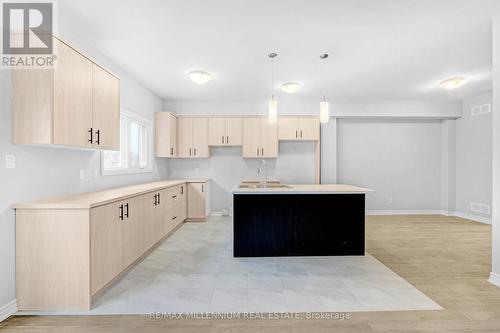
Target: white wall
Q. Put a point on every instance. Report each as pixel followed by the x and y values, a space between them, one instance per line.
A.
pixel 473 157
pixel 495 219
pixel 43 171
pixel 400 159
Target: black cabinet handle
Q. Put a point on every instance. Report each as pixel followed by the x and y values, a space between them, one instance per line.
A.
pixel 223 139
pixel 173 218
pixel 262 151
pixel 174 196
pixel 195 152
pixel 91 132
pixel 202 188
pixel 159 198
pixel 189 151
pixel 227 139
pixel 121 212
pixel 171 151
pixel 98 133
pixel 155 200
pixel 296 134
pixel 182 189
pixel 126 212
pixel 301 134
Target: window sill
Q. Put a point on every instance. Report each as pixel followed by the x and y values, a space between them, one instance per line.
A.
pixel 125 172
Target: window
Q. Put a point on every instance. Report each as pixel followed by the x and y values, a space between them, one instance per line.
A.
pixel 135 147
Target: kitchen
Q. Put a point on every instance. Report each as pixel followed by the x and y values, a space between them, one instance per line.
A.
pixel 253 164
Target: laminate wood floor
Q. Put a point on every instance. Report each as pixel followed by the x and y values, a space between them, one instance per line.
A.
pixel 446 258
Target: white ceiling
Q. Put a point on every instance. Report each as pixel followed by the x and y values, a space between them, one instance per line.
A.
pixel 380 49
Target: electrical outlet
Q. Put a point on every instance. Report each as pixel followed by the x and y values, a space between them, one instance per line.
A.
pixel 82 174
pixel 10 161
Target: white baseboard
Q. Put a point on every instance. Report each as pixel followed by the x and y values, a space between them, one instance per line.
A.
pixel 8 310
pixel 475 218
pixel 494 279
pixel 481 219
pixel 404 212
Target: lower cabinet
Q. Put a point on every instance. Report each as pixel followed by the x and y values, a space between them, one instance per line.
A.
pixel 65 257
pixel 197 201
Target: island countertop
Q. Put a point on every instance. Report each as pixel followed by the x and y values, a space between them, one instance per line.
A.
pixel 304 189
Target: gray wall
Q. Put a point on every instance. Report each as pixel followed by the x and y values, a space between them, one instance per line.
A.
pixel 400 159
pixel 43 171
pixel 473 157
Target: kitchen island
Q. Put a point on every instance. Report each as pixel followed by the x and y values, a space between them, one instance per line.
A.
pixel 299 220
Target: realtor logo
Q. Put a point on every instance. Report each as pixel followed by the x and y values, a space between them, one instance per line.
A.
pixel 27 34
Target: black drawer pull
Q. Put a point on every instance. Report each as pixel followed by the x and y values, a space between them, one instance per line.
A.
pixel 126 212
pixel 121 212
pixel 174 196
pixel 173 218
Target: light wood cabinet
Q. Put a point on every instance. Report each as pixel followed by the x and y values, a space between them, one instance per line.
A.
pixel 193 138
pixel 260 138
pixel 166 134
pixel 134 229
pixel 225 131
pixel 298 128
pixel 105 109
pixel 106 244
pixel 74 104
pixel 69 250
pixel 197 201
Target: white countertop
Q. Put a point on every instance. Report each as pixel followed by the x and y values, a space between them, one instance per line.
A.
pixel 305 189
pixel 94 199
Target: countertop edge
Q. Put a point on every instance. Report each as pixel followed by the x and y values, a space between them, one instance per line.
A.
pixel 83 206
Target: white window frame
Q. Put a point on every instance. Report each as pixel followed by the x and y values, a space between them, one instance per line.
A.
pixel 124 147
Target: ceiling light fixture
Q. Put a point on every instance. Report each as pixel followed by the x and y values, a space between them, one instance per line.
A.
pixel 199 77
pixel 272 105
pixel 453 83
pixel 290 87
pixel 324 106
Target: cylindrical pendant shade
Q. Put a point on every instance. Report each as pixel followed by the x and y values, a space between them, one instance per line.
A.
pixel 324 112
pixel 273 111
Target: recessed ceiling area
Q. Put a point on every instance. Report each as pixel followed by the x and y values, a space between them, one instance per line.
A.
pixel 389 49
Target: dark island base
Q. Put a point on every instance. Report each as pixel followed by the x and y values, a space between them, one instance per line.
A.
pixel 276 225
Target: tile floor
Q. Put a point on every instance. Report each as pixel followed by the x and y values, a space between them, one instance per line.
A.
pixel 194 271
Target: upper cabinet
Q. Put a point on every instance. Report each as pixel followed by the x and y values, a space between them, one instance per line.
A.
pixel 77 103
pixel 298 128
pixel 260 138
pixel 166 134
pixel 225 131
pixel 193 137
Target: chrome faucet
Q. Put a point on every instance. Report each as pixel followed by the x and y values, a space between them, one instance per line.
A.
pixel 262 164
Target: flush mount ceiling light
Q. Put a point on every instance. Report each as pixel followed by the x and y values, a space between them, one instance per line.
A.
pixel 272 105
pixel 199 77
pixel 290 87
pixel 453 83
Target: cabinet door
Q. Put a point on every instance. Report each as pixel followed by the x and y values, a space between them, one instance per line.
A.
pixel 288 128
pixel 106 245
pixel 234 131
pixel 72 97
pixel 165 134
pixel 152 217
pixel 309 128
pixel 183 203
pixel 251 137
pixel 216 131
pixel 185 137
pixel 196 200
pixel 105 109
pixel 134 243
pixel 268 138
pixel 162 217
pixel 200 138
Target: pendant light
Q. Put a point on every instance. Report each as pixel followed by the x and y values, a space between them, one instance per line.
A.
pixel 324 106
pixel 272 105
